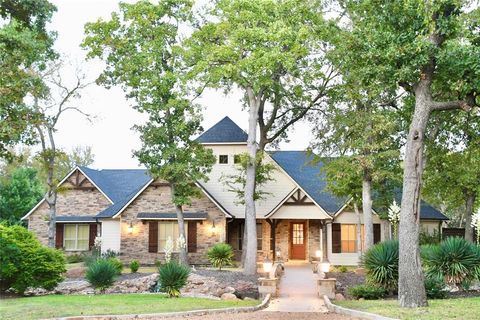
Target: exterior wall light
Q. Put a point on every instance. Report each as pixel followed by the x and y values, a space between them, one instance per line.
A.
pixel 267 266
pixel 318 253
pixel 214 228
pixel 130 228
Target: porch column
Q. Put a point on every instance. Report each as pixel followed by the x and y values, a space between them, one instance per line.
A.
pixel 321 240
pixel 272 224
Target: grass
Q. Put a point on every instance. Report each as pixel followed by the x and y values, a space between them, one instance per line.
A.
pixel 53 306
pixel 461 308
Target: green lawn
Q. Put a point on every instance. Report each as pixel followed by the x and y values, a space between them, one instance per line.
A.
pixel 74 305
pixel 464 308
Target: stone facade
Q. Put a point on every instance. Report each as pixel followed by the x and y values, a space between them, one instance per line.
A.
pixel 71 201
pixel 157 199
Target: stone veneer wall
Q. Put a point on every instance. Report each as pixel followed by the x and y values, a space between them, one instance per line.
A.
pixel 158 199
pixel 71 202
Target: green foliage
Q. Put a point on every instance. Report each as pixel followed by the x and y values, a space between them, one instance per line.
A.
pixel 20 191
pixel 134 265
pixel 220 255
pixel 101 274
pixel 435 288
pixel 367 292
pixel 343 269
pixel 116 263
pixel 24 262
pixel 381 263
pixel 236 182
pixel 75 258
pixel 455 261
pixel 173 277
pixel 427 237
pixel 24 43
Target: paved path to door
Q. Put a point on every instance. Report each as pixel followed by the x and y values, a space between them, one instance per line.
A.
pixel 298 291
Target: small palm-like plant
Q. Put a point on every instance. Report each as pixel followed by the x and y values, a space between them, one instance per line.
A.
pixel 220 255
pixel 381 264
pixel 173 277
pixel 454 261
pixel 101 274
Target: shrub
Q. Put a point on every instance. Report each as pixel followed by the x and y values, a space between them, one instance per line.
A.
pixel 342 269
pixel 454 261
pixel 173 277
pixel 74 258
pixel 220 255
pixel 134 265
pixel 25 262
pixel 109 254
pixel 367 292
pixel 101 274
pixel 435 288
pixel 429 238
pixel 116 263
pixel 381 264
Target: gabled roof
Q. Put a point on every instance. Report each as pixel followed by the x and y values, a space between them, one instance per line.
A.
pixel 297 164
pixel 225 131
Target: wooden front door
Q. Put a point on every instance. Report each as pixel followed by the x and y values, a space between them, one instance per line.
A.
pixel 298 240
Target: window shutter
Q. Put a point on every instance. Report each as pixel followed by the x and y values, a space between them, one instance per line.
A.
pixel 153 236
pixel 59 235
pixel 92 236
pixel 336 238
pixel 376 233
pixel 192 236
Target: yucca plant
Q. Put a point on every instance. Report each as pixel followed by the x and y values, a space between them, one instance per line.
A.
pixel 101 274
pixel 220 255
pixel 381 264
pixel 173 277
pixel 455 261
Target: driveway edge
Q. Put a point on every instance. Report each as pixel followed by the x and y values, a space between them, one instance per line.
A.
pixel 152 316
pixel 353 313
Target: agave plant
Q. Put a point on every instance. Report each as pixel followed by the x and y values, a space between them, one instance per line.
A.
pixel 173 277
pixel 381 264
pixel 455 261
pixel 220 255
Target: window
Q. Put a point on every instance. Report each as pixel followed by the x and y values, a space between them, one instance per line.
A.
pixel 169 229
pixel 241 229
pixel 259 237
pixel 236 159
pixel 223 159
pixel 75 237
pixel 349 238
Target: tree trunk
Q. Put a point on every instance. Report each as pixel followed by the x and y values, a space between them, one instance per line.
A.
pixel 250 267
pixel 183 257
pixel 49 156
pixel 359 229
pixel 244 245
pixel 367 211
pixel 470 200
pixel 411 290
pixel 52 216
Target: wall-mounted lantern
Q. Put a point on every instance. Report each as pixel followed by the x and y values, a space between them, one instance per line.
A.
pixel 130 228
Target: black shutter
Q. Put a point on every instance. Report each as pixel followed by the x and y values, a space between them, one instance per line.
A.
pixel 153 236
pixel 192 236
pixel 376 233
pixel 59 235
pixel 336 238
pixel 92 235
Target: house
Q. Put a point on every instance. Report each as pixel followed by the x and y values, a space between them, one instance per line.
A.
pixel 133 213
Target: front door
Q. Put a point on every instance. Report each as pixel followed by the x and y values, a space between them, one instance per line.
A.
pixel 297 240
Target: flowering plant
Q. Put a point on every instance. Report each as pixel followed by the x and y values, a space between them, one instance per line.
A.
pixel 394 217
pixel 168 249
pixel 476 224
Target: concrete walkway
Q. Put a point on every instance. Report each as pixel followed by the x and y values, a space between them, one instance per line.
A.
pixel 298 291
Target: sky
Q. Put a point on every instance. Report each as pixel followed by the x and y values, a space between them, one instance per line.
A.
pixel 109 130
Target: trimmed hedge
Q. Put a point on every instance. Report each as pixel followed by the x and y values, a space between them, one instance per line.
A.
pixel 25 262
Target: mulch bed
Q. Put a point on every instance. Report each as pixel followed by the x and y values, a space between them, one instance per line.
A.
pixel 227 277
pixel 346 280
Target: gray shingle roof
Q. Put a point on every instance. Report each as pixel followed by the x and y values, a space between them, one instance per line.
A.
pixel 76 219
pixel 298 164
pixel 223 132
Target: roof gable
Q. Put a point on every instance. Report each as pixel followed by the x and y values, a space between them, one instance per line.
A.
pixel 225 131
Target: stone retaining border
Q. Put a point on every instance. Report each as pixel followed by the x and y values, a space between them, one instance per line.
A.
pixel 153 316
pixel 353 313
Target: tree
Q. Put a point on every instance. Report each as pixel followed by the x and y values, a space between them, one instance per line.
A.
pixel 51 107
pixel 452 171
pixel 140 45
pixel 414 46
pixel 24 43
pixel 274 52
pixel 18 194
